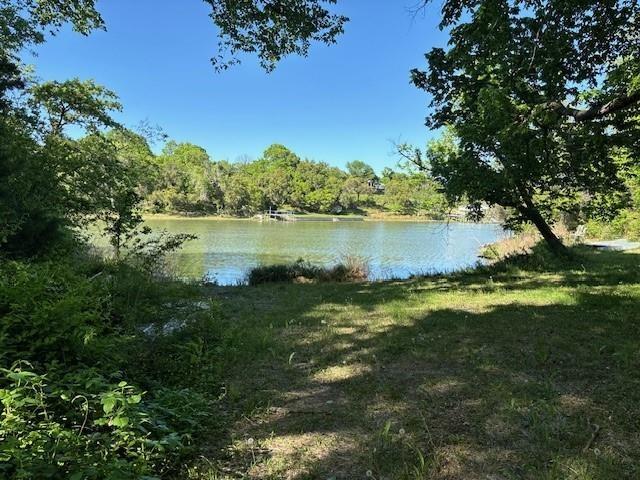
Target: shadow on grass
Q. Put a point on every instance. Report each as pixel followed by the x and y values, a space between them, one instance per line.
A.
pixel 467 377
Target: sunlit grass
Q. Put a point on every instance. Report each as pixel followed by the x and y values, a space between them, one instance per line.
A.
pixel 523 370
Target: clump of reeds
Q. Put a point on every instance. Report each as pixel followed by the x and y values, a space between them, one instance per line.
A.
pixel 349 269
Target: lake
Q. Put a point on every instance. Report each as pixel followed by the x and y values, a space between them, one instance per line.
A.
pixel 226 249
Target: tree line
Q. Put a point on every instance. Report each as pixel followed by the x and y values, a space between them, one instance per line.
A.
pixel 184 179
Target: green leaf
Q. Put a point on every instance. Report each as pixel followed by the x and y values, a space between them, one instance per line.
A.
pixel 120 422
pixel 108 403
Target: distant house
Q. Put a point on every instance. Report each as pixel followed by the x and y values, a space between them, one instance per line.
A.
pixel 375 184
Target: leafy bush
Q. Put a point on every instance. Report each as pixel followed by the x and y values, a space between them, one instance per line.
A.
pixel 51 431
pixel 60 418
pixel 626 225
pixel 49 312
pixel 282 272
pixel 55 311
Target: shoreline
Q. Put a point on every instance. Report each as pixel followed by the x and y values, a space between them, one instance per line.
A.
pixel 376 218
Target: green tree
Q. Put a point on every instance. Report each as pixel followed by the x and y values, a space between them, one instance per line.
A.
pixel 273 174
pixel 272 29
pixel 133 151
pixel 414 193
pixel 356 187
pixel 24 23
pixel 242 195
pixel 361 170
pixel 31 198
pixel 281 156
pixel 53 181
pixel 360 181
pixel 537 94
pixel 220 173
pixel 75 102
pixel 184 178
pixel 317 187
pixel 276 182
pixel 387 174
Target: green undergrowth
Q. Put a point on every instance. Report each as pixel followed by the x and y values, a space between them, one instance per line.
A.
pixel 625 225
pixel 527 368
pixel 92 383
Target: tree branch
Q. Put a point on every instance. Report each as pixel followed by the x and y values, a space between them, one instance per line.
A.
pixel 598 110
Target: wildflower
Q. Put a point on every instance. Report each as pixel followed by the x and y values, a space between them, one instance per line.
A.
pixel 369 474
pixel 250 441
pixel 402 432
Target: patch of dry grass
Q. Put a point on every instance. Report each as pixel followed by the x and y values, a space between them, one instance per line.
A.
pixel 523 243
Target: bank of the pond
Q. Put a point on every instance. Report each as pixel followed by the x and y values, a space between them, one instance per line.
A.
pixel 308 217
pixel 367 217
pixel 169 216
pixel 528 368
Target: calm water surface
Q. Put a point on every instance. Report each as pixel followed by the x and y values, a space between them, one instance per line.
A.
pixel 226 249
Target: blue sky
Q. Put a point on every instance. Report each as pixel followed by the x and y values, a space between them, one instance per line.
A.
pixel 341 103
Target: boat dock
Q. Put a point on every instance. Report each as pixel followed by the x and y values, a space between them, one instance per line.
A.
pixel 290 216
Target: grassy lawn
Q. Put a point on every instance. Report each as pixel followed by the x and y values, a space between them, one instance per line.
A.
pixel 512 372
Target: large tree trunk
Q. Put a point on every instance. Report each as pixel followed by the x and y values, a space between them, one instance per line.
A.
pixel 531 213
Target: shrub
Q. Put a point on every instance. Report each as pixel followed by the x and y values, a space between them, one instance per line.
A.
pixel 75 421
pixel 625 225
pixel 49 312
pixel 351 269
pixel 282 272
pixel 105 430
pixel 60 312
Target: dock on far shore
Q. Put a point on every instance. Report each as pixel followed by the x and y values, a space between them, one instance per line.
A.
pixel 291 216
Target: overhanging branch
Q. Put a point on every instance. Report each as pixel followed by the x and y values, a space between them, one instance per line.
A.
pixel 598 110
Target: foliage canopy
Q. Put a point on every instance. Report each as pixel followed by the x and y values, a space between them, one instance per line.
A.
pixel 537 93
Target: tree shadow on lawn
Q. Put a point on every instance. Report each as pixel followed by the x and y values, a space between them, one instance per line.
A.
pixel 506 391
